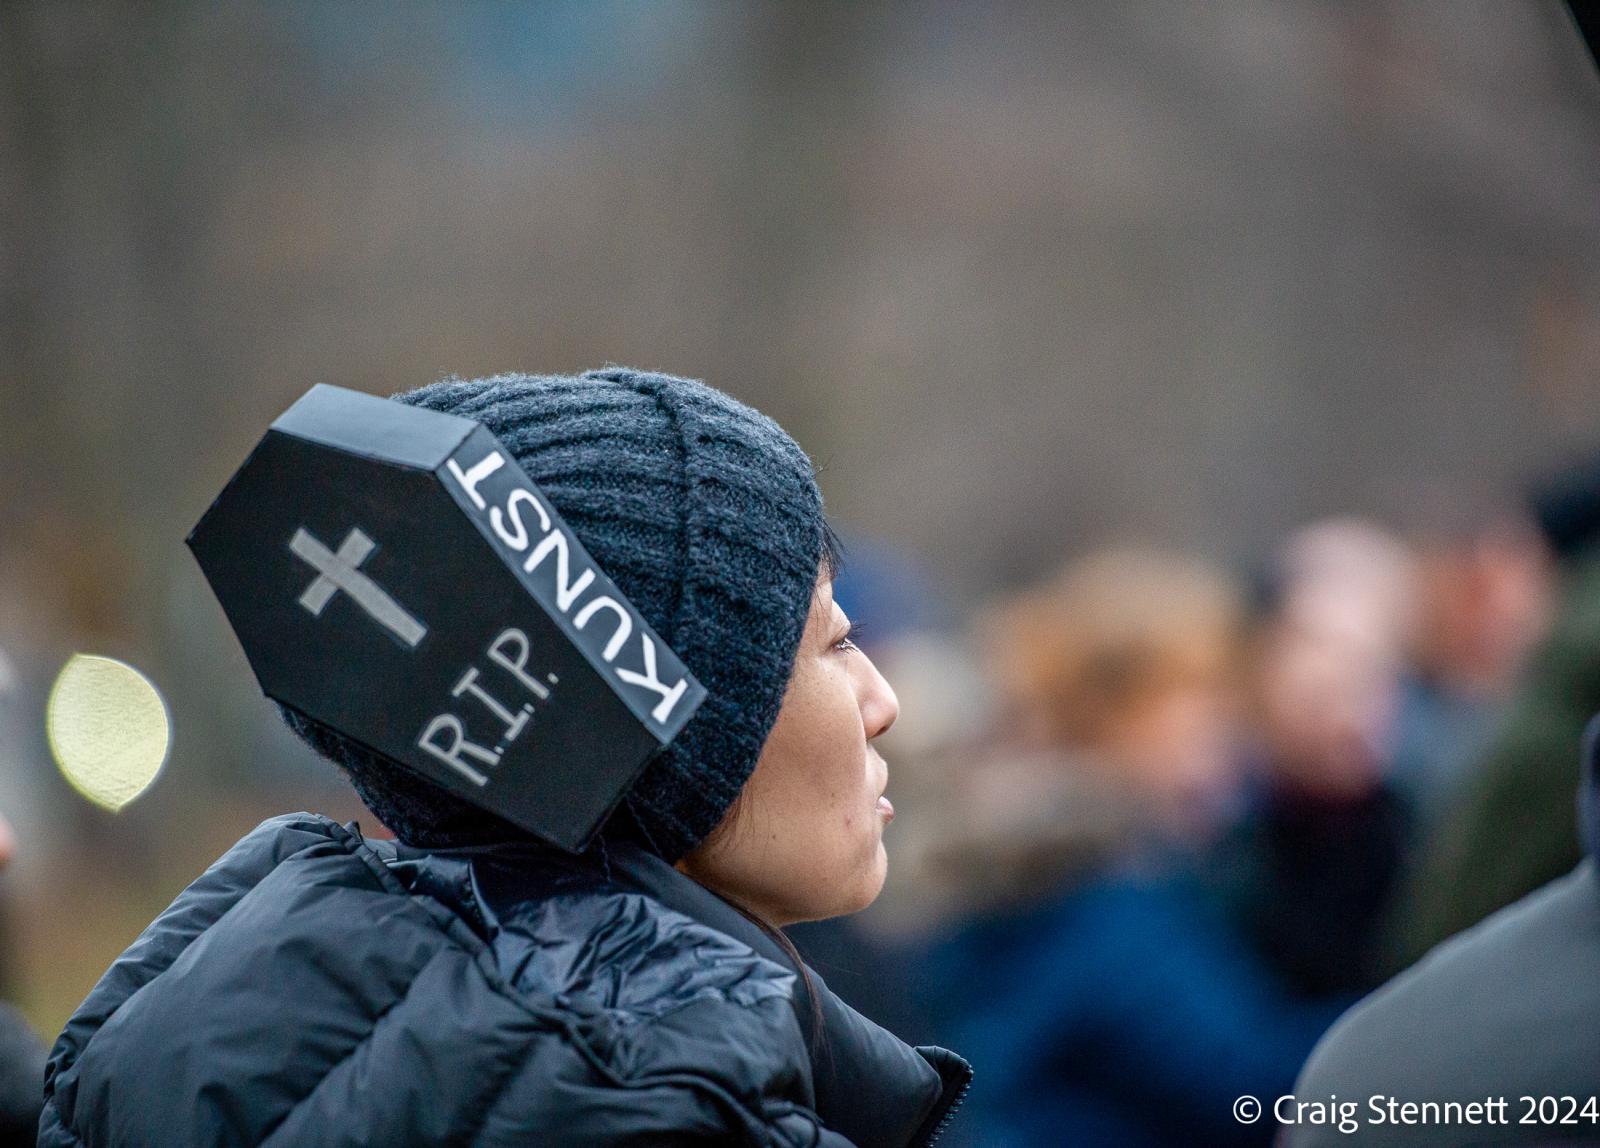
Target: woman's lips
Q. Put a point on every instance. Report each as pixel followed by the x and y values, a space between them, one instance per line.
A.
pixel 885 808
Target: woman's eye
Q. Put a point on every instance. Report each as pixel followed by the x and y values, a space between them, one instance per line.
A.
pixel 845 643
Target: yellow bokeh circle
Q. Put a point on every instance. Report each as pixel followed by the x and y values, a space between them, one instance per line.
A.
pixel 108 729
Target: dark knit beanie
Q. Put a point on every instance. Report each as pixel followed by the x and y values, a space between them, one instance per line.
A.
pixel 707 515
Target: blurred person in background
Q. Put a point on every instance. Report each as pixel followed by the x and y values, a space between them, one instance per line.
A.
pixel 1510 829
pixel 21 1053
pixel 22 1056
pixel 1106 999
pixel 1311 864
pixel 1507 1011
pixel 1484 602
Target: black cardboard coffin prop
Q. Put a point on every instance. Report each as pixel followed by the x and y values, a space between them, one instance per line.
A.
pixel 393 573
pixel 1586 15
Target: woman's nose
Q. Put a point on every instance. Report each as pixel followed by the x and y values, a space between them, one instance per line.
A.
pixel 879 705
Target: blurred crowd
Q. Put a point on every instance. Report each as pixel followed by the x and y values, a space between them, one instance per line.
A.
pixel 1168 820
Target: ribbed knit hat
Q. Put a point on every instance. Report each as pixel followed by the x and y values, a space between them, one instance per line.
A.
pixel 708 517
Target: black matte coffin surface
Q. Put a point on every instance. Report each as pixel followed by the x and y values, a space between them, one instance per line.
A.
pixel 1586 15
pixel 366 588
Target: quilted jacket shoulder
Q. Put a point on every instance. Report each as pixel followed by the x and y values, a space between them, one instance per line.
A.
pixel 314 988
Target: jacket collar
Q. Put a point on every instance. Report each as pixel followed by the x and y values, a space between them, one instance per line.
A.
pixel 907 1091
pixel 912 1091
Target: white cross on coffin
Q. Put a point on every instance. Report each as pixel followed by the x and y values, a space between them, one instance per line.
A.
pixel 338 571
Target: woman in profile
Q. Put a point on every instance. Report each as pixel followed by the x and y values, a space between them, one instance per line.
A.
pixel 469 984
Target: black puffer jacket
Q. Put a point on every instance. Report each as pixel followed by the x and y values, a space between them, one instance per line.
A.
pixel 313 987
